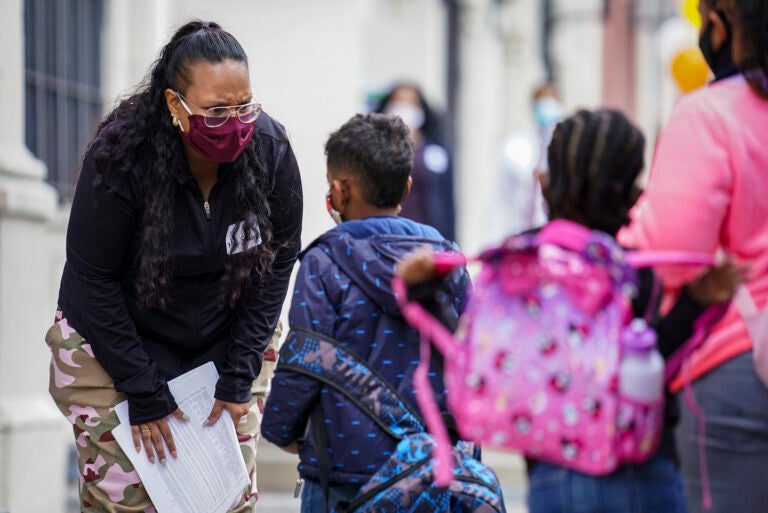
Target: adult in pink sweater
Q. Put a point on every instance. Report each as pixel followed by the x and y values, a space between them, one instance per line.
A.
pixel 708 189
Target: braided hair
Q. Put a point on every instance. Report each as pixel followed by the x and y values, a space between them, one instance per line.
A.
pixel 594 161
pixel 752 18
pixel 138 134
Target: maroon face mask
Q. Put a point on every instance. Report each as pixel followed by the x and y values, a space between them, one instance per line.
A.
pixel 221 144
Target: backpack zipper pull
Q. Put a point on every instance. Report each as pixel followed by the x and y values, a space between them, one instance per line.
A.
pixel 207 208
pixel 297 488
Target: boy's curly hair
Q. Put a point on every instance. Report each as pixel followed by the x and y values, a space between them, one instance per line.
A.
pixel 377 151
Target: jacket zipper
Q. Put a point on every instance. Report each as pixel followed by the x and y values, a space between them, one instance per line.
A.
pixel 207 208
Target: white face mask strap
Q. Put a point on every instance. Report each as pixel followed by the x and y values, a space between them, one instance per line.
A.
pixel 183 103
pixel 176 120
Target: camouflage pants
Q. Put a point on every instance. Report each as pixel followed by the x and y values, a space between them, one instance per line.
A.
pixel 86 396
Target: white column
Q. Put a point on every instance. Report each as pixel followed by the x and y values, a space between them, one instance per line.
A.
pixel 21 192
pixel 15 159
pixel 134 33
pixel 33 436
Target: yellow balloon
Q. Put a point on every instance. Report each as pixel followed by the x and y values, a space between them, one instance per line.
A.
pixel 689 69
pixel 690 10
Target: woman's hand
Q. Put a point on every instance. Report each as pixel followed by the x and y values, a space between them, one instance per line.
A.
pixel 152 434
pixel 719 283
pixel 237 411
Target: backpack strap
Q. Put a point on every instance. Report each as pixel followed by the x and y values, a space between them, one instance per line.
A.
pixel 436 425
pixel 566 234
pixel 320 439
pixel 326 360
pixel 650 258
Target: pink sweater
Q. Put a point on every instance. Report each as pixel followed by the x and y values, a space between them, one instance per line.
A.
pixel 708 189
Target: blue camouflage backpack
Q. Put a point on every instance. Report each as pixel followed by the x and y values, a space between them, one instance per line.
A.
pixel 406 482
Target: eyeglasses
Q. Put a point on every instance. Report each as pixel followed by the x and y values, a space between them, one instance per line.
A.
pixel 217 116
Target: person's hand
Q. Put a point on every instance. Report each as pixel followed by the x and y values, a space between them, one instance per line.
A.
pixel 418 267
pixel 719 283
pixel 153 434
pixel 236 411
pixel 291 448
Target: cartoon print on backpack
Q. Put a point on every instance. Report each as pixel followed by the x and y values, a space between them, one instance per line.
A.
pixel 522 423
pixel 532 305
pixel 568 290
pixel 570 414
pixel 547 344
pixel 591 406
pixel 577 333
pixel 560 381
pixel 570 448
pixel 505 361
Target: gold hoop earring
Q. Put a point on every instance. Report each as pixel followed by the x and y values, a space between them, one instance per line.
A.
pixel 175 121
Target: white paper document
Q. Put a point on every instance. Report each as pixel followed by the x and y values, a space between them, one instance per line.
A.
pixel 209 474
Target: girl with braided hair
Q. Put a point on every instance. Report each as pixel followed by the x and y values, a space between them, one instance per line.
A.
pixel 595 159
pixel 184 229
pixel 707 191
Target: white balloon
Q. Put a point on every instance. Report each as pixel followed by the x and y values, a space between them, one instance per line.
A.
pixel 520 153
pixel 675 35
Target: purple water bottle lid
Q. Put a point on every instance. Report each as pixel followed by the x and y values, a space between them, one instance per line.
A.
pixel 638 337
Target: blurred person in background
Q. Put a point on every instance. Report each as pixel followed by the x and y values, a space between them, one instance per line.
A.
pixel 518 204
pixel 707 191
pixel 431 201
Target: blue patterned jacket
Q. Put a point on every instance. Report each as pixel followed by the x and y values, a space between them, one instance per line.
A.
pixel 343 291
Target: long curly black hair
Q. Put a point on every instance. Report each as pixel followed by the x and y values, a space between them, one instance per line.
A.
pixel 138 134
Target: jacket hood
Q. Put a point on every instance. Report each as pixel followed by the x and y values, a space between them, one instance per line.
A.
pixel 367 251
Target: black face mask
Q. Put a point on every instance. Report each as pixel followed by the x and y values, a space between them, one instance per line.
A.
pixel 719 61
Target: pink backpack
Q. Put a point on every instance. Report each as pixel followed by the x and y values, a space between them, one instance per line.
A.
pixel 533 366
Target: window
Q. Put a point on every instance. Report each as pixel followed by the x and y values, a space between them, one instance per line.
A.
pixel 63 83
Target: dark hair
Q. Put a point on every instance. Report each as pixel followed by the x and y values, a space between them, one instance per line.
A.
pixel 377 151
pixel 545 89
pixel 432 127
pixel 752 18
pixel 594 161
pixel 138 134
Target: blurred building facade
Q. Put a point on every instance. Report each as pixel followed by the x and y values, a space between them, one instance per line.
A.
pixel 313 64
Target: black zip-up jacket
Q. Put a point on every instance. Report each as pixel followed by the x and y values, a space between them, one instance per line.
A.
pixel 142 348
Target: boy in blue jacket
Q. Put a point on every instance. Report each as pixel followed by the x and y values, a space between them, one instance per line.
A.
pixel 343 292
